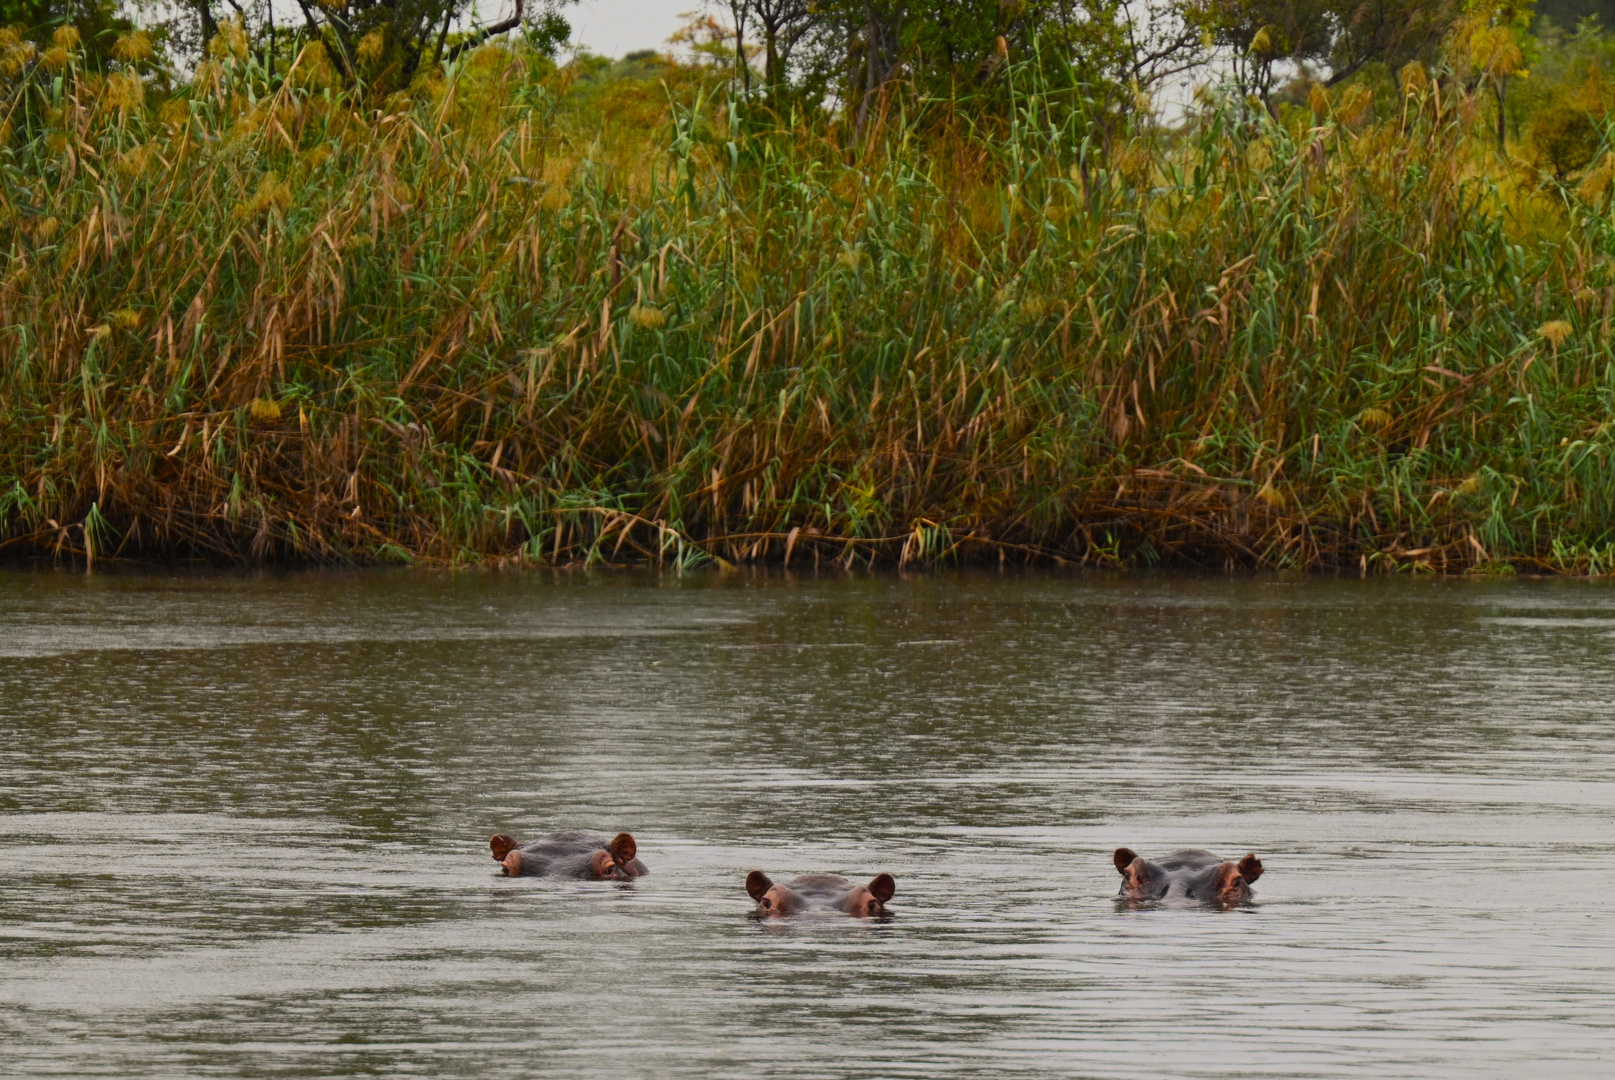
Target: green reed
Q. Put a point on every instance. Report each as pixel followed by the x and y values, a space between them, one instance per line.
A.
pixel 267 320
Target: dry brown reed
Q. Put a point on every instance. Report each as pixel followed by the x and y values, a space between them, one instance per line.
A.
pixel 261 321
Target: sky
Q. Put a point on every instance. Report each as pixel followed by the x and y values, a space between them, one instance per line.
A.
pixel 614 27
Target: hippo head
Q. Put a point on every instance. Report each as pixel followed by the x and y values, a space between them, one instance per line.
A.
pixel 501 845
pixel 610 863
pixel 820 892
pixel 1190 875
pixel 869 901
pixel 1233 882
pixel 1141 879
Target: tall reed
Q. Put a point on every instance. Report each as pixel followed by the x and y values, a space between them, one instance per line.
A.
pixel 264 320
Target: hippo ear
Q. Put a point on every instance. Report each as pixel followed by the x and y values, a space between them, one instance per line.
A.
pixel 883 887
pixel 1250 868
pixel 622 848
pixel 757 884
pixel 502 844
pixel 1124 858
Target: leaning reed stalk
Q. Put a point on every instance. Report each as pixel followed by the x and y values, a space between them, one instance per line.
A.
pixel 263 322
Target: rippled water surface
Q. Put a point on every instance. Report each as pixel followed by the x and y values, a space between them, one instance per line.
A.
pixel 244 823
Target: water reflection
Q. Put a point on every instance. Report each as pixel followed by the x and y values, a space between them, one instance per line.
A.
pixel 245 824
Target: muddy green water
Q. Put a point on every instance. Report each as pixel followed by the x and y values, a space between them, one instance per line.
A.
pixel 243 825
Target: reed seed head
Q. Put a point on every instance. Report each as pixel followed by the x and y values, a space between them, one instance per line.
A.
pixel 230 43
pixel 136 159
pixel 1596 181
pixel 15 53
pixel 272 192
pixel 174 112
pixel 208 77
pixel 1318 101
pixel 1375 418
pixel 124 91
pixel 133 48
pixel 1555 332
pixel 313 69
pixel 1355 105
pixel 1034 307
pixel 647 316
pixel 371 46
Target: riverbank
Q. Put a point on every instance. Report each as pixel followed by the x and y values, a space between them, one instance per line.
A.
pixel 510 317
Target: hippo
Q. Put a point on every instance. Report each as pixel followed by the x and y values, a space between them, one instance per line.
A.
pixel 570 855
pixel 820 892
pixel 1189 874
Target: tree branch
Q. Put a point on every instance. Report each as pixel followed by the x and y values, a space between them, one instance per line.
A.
pixel 497 28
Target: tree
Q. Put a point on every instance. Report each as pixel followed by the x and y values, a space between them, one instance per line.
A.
pixel 99 22
pixel 1489 44
pixel 849 51
pixel 783 24
pixel 1342 35
pixel 387 41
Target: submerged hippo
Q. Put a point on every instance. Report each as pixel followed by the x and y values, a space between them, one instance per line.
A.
pixel 570 855
pixel 1190 874
pixel 820 892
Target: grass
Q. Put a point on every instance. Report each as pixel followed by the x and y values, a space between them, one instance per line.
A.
pixel 519 316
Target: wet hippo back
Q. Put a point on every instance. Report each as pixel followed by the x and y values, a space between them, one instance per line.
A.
pixel 820 891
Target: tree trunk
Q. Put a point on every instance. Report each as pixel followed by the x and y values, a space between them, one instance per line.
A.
pixel 737 8
pixel 875 69
pixel 1502 115
pixel 210 26
pixel 771 64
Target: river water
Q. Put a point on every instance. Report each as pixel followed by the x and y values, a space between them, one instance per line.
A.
pixel 244 823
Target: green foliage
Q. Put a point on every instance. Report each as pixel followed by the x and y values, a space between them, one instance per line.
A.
pixel 264 319
pixel 1562 110
pixel 1344 36
pixel 848 53
pixel 382 44
pixel 1565 138
pixel 97 23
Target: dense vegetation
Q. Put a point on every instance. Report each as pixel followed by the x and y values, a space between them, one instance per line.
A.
pixel 603 312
